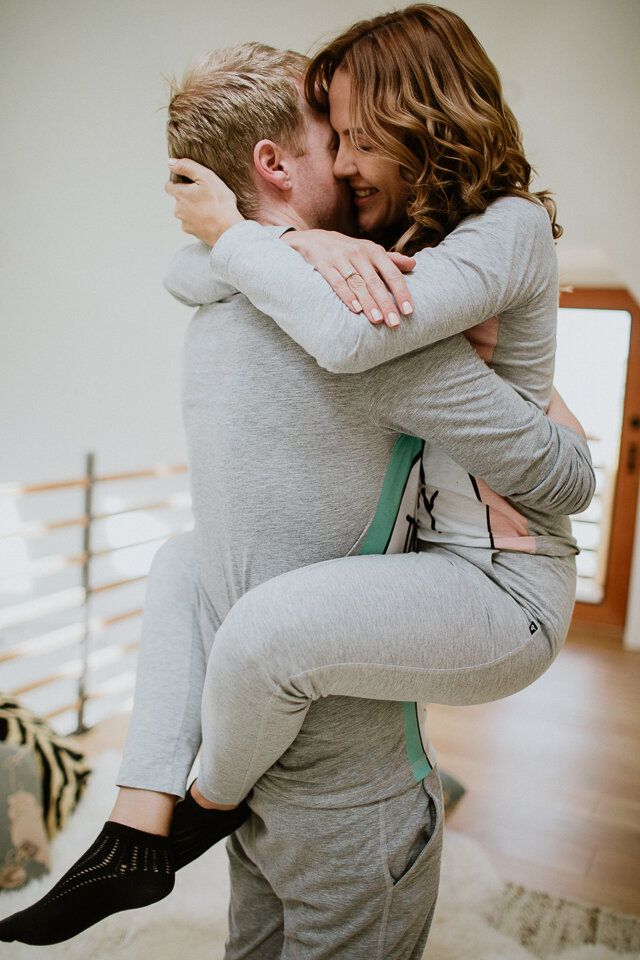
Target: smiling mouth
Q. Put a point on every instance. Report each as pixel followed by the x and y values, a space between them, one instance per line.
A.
pixel 362 194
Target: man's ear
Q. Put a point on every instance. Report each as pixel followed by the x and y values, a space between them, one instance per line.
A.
pixel 271 164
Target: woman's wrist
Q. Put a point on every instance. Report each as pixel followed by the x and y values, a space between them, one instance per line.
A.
pixel 211 231
pixel 297 239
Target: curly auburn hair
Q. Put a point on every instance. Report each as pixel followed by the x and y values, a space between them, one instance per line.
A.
pixel 426 96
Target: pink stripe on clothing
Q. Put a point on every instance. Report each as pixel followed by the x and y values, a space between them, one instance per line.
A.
pixel 484 337
pixel 508 527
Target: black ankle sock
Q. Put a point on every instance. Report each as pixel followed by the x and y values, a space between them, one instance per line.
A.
pixel 122 869
pixel 194 829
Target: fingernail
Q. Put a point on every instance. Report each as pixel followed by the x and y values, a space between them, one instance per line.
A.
pixel 356 305
pixel 393 319
pixel 377 316
pixel 171 163
pixel 406 307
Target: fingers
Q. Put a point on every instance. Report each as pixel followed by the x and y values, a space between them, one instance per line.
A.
pixel 370 296
pixel 341 286
pixel 188 168
pixel 205 205
pixel 402 261
pixel 389 267
pixel 375 283
pixel 376 300
pixel 183 173
pixel 378 283
pixel 362 273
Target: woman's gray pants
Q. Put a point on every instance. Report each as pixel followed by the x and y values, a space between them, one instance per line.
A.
pixel 459 626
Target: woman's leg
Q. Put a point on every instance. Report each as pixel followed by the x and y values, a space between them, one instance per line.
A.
pixel 164 733
pixel 430 626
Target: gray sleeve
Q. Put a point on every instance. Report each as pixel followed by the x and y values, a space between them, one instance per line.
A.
pixel 448 396
pixel 189 276
pixel 190 279
pixel 501 258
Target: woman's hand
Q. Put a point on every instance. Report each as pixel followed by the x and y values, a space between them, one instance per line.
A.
pixel 206 206
pixel 361 272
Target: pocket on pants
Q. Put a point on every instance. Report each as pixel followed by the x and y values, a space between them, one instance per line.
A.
pixel 413 832
pixel 413 890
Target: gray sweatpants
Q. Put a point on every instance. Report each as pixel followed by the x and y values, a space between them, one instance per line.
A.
pixel 430 626
pixel 358 883
pixel 448 626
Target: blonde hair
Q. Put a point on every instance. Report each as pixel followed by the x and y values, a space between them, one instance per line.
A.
pixel 230 100
pixel 426 96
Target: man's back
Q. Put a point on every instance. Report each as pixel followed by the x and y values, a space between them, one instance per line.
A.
pixel 286 468
pixel 286 463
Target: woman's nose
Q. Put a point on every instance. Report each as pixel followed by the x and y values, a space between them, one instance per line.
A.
pixel 344 165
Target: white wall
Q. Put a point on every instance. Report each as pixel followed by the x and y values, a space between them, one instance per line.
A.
pixel 89 350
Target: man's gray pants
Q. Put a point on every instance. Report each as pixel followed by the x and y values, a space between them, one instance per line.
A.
pixel 358 883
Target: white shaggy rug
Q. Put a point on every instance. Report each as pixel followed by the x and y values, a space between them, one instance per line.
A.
pixel 192 921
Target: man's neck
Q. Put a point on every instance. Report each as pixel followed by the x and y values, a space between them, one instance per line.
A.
pixel 275 214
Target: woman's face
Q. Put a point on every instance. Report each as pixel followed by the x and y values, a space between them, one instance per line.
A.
pixel 379 192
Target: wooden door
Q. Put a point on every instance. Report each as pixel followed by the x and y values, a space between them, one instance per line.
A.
pixel 619 523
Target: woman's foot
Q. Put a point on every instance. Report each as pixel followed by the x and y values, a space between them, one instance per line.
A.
pixel 197 824
pixel 124 868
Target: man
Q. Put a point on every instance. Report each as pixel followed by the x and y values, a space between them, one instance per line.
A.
pixel 309 453
pixel 340 856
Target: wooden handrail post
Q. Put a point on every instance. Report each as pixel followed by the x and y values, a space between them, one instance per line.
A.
pixel 86 586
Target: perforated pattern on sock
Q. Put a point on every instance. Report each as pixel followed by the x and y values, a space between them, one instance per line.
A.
pixel 108 859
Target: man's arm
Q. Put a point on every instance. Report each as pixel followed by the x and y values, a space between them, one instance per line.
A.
pixel 447 395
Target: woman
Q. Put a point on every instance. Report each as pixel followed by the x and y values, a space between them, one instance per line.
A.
pixel 483 607
pixel 435 164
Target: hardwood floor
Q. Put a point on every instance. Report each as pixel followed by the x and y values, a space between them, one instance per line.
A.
pixel 552 773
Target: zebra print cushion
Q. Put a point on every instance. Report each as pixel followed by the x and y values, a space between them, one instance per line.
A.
pixel 24 846
pixel 63 768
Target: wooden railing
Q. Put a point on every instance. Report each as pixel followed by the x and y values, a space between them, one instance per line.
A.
pixel 69 643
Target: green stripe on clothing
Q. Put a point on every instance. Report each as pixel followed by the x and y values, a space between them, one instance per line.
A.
pixel 417 757
pixel 403 456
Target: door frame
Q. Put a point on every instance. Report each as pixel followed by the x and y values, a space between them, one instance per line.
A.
pixel 611 612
